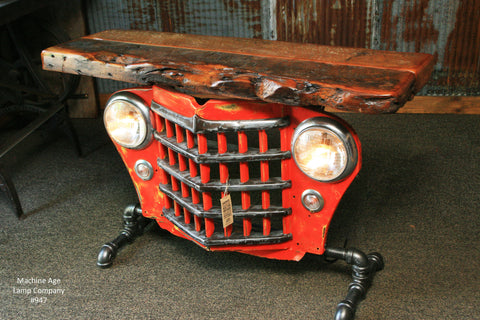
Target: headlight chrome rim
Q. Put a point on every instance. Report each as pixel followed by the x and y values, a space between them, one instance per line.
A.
pixel 142 109
pixel 341 132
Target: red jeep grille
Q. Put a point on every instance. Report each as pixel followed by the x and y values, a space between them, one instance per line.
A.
pixel 200 160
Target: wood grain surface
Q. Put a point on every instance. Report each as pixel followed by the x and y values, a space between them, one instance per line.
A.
pixel 346 79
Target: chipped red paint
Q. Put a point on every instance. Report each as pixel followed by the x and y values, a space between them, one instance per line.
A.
pixel 308 230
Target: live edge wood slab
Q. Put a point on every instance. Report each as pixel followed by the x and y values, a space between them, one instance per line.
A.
pixel 348 79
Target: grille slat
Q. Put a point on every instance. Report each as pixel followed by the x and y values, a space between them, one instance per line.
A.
pixel 216 213
pixel 244 177
pixel 205 178
pixel 198 165
pixel 223 171
pixel 234 185
pixel 251 155
pixel 234 239
pixel 264 176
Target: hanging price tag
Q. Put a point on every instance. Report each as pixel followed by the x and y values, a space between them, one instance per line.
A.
pixel 226 205
pixel 227 210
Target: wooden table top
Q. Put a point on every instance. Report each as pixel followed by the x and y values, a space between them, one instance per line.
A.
pixel 360 80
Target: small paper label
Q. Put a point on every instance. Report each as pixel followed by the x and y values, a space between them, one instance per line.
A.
pixel 227 210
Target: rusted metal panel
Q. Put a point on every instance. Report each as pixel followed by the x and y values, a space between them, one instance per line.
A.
pixel 360 80
pixel 120 14
pixel 448 29
pixel 337 22
pixel 234 18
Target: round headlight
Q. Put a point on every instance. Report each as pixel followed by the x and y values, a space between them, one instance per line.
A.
pixel 125 120
pixel 324 150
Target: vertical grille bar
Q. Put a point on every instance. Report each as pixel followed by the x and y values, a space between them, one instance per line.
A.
pixel 285 176
pixel 191 144
pixel 193 173
pixel 182 165
pixel 205 178
pixel 244 177
pixel 264 176
pixel 222 148
pixel 162 154
pixel 172 159
pixel 169 128
pixel 160 126
pixel 179 133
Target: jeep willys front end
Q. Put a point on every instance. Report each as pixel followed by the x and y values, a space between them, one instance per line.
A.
pixel 227 141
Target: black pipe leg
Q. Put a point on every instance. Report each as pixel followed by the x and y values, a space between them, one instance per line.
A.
pixel 363 270
pixel 134 223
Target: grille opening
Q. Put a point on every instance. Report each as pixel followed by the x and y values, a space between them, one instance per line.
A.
pixel 276 223
pixel 237 228
pixel 232 141
pixel 273 138
pixel 233 170
pixel 214 171
pixel 252 138
pixel 254 169
pixel 257 225
pixel 274 168
pixel 255 198
pixel 276 198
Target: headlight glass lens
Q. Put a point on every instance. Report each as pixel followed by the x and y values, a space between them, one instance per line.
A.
pixel 320 154
pixel 125 123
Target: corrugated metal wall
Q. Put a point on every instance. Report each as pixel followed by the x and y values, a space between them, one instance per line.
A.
pixel 449 29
